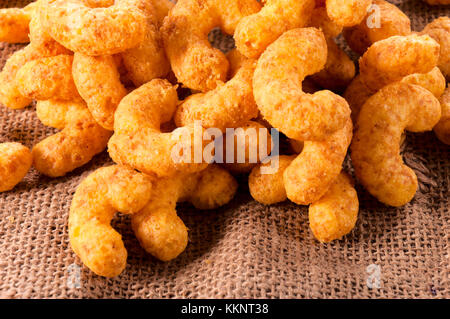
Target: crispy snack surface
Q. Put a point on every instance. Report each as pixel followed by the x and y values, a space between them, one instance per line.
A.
pixel 375 150
pixel 15 162
pixel 439 30
pixel 14 24
pixel 442 129
pixel 335 214
pixel 347 12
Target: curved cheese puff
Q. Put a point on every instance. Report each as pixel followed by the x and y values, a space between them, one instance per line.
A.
pixel 375 150
pixel 254 137
pixel 95 31
pixel 98 82
pixel 148 60
pixel 256 32
pixel 96 201
pixel 10 95
pixel 392 21
pixel 335 214
pixel 347 12
pixel 312 172
pixel 48 78
pixel 15 162
pixel 159 229
pixel 229 105
pixel 357 92
pixel 439 30
pixel 277 87
pixel 80 139
pixel 14 23
pixel 390 60
pixel 442 129
pixel 185 31
pixel 138 141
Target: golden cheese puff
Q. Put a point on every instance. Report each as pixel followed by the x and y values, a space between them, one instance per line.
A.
pixel 391 59
pixel 95 31
pixel 159 229
pixel 442 129
pixel 138 140
pixel 15 162
pixel 312 172
pixel 96 201
pixel 229 105
pixel 269 189
pixel 162 8
pixel 80 139
pixel 439 30
pixel 14 23
pixel 375 150
pixel 384 21
pixel 347 12
pixel 185 31
pixel 277 87
pixel 334 215
pixel 319 19
pixel 48 78
pixel 98 82
pixel 256 32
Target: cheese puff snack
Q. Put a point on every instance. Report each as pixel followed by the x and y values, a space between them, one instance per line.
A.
pixel 157 226
pixel 390 60
pixel 229 105
pixel 14 24
pixel 392 21
pixel 439 30
pixel 442 129
pixel 357 92
pixel 256 32
pixel 98 82
pixel 319 19
pixel 80 139
pixel 48 78
pixel 347 12
pixel 95 31
pixel 248 141
pixel 148 60
pixel 375 150
pixel 185 31
pixel 138 140
pixel 334 215
pixel 277 87
pixel 96 200
pixel 162 8
pixel 15 162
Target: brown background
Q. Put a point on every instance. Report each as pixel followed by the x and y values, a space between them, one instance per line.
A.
pixel 244 250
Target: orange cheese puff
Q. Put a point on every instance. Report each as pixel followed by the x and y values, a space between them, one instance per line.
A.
pixel 390 60
pixel 442 129
pixel 157 226
pixel 229 105
pixel 375 149
pixel 256 32
pixel 384 21
pixel 95 31
pixel 96 201
pixel 439 30
pixel 148 60
pixel 269 189
pixel 48 78
pixel 80 139
pixel 14 23
pixel 98 82
pixel 185 31
pixel 347 12
pixel 247 140
pixel 319 19
pixel 15 162
pixel 357 92
pixel 277 87
pixel 312 172
pixel 335 214
pixel 162 8
pixel 138 141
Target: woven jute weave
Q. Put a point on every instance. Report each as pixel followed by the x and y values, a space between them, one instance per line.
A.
pixel 244 250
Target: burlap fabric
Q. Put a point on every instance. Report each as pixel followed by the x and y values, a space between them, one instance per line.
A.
pixel 244 250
